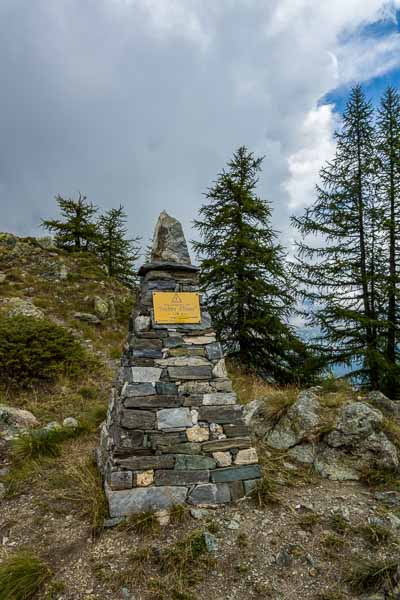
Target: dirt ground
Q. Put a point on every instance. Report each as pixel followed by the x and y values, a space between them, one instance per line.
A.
pixel 281 552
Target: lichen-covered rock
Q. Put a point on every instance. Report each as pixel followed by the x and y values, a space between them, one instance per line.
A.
pixel 300 421
pixel 252 410
pixel 100 307
pixel 14 420
pixel 384 404
pixel 355 422
pixel 331 464
pixel 303 453
pixel 25 308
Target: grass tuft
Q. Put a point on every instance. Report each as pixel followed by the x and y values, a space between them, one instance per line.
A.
pixel 42 442
pixel 369 575
pixel 22 576
pixel 83 487
pixel 145 523
pixel 179 513
pixel 375 534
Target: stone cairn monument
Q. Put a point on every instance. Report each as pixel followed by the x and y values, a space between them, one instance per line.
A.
pixel 174 432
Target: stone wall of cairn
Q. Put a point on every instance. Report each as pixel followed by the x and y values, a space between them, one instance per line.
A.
pixel 174 432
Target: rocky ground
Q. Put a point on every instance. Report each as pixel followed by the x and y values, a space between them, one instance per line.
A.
pixel 302 536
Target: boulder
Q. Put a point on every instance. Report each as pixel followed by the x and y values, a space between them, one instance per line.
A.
pixel 384 404
pixel 252 410
pixel 355 422
pixel 70 423
pixel 15 420
pixel 87 317
pixel 300 421
pixel 25 308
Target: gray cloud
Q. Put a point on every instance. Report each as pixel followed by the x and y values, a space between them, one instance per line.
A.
pixel 142 102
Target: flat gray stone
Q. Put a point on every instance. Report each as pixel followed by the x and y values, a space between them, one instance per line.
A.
pixel 183 361
pixel 132 390
pixel 221 445
pixel 137 500
pixel 120 480
pixel 236 430
pixel 189 373
pixel 137 419
pixel 166 439
pixel 220 414
pixel 156 401
pixel 143 463
pixel 219 398
pixel 156 354
pixel 210 493
pixel 214 351
pixel 145 374
pixel 185 448
pixel 174 477
pixel 173 418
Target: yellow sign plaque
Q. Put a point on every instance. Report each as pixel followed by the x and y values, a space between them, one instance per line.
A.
pixel 176 307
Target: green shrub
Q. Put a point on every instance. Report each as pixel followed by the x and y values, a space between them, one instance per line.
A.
pixel 22 576
pixel 34 351
pixel 42 442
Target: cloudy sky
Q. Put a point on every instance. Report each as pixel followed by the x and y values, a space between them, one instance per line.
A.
pixel 142 102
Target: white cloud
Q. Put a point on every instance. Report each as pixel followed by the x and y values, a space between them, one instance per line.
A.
pixel 143 101
pixel 317 147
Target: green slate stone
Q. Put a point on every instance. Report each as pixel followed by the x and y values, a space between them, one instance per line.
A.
pixel 236 473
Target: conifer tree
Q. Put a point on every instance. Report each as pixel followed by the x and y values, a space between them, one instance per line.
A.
pixel 244 274
pixel 340 269
pixel 76 231
pixel 116 251
pixel 388 146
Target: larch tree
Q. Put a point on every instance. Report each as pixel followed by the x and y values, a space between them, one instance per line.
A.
pixel 388 171
pixel 244 273
pixel 76 231
pixel 117 252
pixel 340 268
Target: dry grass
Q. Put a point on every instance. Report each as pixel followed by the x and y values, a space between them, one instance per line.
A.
pixel 81 487
pixel 391 427
pixel 276 475
pixel 171 573
pixel 22 576
pixel 145 523
pixel 370 575
pixel 249 386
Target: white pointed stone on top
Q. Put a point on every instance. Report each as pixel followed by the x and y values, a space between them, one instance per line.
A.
pixel 169 244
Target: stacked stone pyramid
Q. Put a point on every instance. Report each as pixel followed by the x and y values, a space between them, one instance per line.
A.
pixel 174 432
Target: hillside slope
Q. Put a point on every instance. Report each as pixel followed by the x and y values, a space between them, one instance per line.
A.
pixel 300 537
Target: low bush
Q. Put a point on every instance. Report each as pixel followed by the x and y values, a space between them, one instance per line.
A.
pixel 22 576
pixel 34 351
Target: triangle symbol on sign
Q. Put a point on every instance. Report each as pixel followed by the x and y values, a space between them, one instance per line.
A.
pixel 176 299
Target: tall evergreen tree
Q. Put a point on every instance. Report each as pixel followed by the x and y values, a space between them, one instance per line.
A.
pixel 388 146
pixel 76 231
pixel 116 251
pixel 244 273
pixel 341 267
